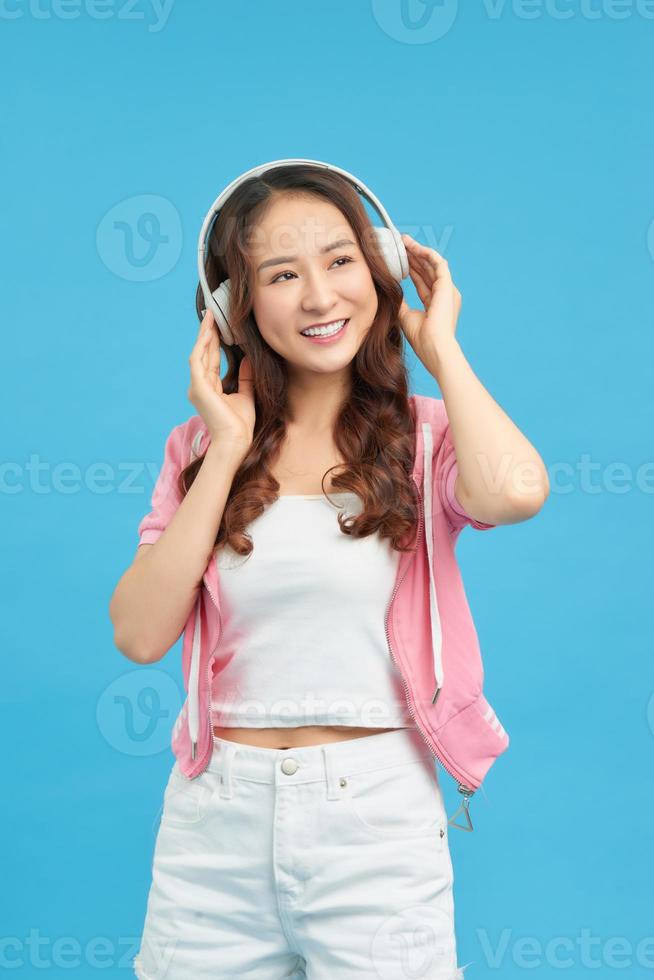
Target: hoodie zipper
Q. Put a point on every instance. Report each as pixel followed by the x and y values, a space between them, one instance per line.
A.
pixel 209 665
pixel 466 791
pixel 197 441
pixel 209 662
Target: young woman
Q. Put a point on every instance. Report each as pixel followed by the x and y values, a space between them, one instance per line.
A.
pixel 311 569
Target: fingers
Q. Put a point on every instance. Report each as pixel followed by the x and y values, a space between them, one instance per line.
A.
pixel 204 331
pixel 423 287
pixel 198 358
pixel 427 257
pixel 206 321
pixel 419 261
pixel 213 367
pixel 213 355
pixel 428 264
pixel 245 376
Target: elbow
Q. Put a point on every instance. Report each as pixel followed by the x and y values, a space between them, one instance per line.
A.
pixel 137 652
pixel 133 652
pixel 532 490
pixel 539 493
pixel 510 506
pixel 528 504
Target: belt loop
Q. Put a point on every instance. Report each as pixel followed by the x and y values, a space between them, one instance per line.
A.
pixel 226 755
pixel 331 777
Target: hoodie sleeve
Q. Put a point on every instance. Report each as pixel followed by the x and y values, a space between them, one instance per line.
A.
pixel 456 515
pixel 166 497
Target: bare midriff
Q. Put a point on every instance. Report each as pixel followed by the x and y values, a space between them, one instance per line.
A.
pixel 294 738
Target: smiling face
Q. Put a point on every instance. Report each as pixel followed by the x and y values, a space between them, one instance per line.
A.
pixel 306 269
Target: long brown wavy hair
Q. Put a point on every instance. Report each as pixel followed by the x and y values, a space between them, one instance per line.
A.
pixel 374 431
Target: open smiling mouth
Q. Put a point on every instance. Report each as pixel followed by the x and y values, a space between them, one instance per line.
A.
pixel 328 334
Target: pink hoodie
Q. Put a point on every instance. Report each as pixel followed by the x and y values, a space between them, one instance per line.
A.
pixel 429 627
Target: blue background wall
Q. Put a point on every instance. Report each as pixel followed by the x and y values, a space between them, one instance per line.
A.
pixel 515 139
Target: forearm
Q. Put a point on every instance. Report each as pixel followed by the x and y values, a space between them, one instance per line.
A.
pixel 154 597
pixel 501 475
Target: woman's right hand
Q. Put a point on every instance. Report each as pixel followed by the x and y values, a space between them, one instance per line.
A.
pixel 229 418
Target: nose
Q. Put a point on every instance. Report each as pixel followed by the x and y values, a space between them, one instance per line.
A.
pixel 319 295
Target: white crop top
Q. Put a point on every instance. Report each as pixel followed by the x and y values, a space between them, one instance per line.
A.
pixel 303 639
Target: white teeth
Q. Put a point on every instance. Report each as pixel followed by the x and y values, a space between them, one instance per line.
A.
pixel 324 331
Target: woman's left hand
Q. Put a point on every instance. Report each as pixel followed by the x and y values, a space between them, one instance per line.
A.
pixel 430 274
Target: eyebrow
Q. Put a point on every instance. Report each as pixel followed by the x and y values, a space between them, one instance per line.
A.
pixel 293 258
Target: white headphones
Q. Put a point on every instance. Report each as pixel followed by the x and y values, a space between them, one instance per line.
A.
pixel 387 238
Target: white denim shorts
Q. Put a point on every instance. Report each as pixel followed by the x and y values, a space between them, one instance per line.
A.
pixel 325 862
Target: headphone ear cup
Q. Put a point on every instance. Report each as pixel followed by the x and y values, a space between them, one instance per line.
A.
pixel 391 246
pixel 220 303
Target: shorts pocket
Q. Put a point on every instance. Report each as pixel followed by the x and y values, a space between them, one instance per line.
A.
pixel 398 801
pixel 186 801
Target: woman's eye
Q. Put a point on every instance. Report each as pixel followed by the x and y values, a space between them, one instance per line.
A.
pixel 342 258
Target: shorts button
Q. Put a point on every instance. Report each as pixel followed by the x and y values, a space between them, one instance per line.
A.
pixel 289 766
